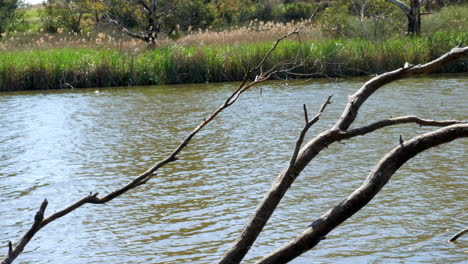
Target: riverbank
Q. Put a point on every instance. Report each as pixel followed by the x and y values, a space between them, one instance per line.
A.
pixel 63 68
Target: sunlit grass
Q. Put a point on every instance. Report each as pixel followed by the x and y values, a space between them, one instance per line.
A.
pixel 54 68
pixel 106 57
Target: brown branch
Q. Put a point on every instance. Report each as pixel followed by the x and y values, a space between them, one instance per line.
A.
pixel 394 121
pixel 283 181
pixel 374 182
pixel 40 221
pixel 457 235
pixel 125 30
pixel 357 99
pixel 38 218
pixel 306 128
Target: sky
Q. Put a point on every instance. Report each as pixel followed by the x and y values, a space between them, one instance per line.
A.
pixel 33 1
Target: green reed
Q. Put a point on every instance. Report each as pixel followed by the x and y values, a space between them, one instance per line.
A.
pixel 86 67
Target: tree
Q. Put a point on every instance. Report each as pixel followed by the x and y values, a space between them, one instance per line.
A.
pixel 66 14
pixel 8 14
pixel 413 13
pixel 300 158
pixel 231 11
pixel 375 10
pixel 189 15
pixel 335 18
pixel 141 19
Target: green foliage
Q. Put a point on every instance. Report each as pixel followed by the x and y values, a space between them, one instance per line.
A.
pixel 452 18
pixel 32 20
pixel 80 67
pixel 128 13
pixel 335 19
pixel 294 11
pixel 12 15
pixel 190 14
pixel 70 15
pixel 227 12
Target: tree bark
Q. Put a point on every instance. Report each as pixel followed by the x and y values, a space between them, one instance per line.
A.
pixel 414 18
pixel 413 13
pixel 374 182
pixel 338 132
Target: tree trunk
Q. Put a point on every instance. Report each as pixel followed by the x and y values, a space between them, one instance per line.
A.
pixel 413 13
pixel 414 18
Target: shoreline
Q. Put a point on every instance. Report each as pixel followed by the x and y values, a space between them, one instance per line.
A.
pixel 64 68
pixel 290 82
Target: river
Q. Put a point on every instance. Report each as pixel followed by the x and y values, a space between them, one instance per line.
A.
pixel 61 145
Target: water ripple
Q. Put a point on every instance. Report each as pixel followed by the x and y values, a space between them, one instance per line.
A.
pixel 61 145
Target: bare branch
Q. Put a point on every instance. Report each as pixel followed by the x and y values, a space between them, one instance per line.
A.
pixel 306 128
pixel 283 181
pixel 14 252
pixel 374 182
pixel 40 221
pixel 293 32
pixel 394 121
pixel 125 30
pixel 457 235
pixel 10 249
pixel 306 116
pixel 356 100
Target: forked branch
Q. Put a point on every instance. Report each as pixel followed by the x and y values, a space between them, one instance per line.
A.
pixel 338 132
pixel 374 182
pixel 307 126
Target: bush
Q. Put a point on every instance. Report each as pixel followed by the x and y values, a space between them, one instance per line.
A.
pixel 294 11
pixel 450 18
pixel 11 17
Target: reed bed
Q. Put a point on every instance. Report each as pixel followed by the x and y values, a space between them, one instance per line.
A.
pixel 56 68
pixel 254 32
pixel 105 39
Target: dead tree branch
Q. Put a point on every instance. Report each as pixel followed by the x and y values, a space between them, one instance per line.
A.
pixel 307 126
pixel 281 184
pixel 92 198
pixel 374 182
pixel 457 235
pixel 395 121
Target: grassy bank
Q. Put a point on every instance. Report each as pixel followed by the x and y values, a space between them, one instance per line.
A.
pixel 87 67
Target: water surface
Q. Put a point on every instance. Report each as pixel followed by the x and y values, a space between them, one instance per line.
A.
pixel 61 145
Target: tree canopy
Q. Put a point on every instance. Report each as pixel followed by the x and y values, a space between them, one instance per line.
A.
pixel 8 14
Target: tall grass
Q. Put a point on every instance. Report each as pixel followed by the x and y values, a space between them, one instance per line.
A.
pixel 90 67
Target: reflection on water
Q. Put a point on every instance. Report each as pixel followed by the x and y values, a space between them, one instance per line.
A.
pixel 61 145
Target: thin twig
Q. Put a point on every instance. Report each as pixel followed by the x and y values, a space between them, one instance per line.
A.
pixel 40 221
pixel 304 130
